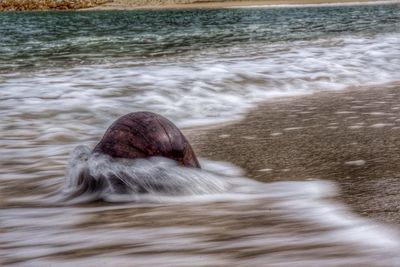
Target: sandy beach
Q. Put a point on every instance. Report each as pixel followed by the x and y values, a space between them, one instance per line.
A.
pixel 351 137
pixel 26 5
pixel 206 4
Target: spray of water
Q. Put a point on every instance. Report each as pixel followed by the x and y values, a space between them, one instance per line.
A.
pixel 94 176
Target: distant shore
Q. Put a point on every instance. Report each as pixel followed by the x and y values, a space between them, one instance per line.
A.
pixel 209 4
pixel 27 5
pixel 351 137
pixel 32 5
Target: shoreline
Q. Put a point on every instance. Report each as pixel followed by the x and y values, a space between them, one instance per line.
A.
pixel 104 5
pixel 131 5
pixel 351 137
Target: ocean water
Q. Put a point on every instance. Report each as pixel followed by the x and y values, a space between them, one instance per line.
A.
pixel 65 76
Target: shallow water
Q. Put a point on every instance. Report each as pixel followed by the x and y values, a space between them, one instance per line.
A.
pixel 65 76
pixel 192 66
pixel 209 217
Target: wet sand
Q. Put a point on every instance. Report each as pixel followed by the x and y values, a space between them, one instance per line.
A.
pixel 207 4
pixel 351 137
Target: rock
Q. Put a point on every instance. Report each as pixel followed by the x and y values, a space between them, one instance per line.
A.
pixel 146 134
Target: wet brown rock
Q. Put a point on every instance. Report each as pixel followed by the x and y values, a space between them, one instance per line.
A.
pixel 146 134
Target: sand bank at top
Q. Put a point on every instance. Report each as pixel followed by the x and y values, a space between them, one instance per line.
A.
pixel 182 4
pixel 24 5
pixel 27 5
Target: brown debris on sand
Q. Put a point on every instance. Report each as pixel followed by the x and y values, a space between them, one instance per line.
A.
pixel 24 5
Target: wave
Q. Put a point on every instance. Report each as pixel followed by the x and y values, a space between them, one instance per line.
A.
pixel 214 86
pixel 285 217
pixel 95 176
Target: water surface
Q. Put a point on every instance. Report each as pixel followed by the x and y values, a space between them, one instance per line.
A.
pixel 65 76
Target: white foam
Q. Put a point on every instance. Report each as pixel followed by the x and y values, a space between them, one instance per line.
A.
pixel 94 176
pixel 265 170
pixel 211 87
pixel 293 128
pixel 210 215
pixel 356 127
pixel 303 224
pixel 381 125
pixel 360 162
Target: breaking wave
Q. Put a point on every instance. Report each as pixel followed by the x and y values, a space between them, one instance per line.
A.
pixel 97 176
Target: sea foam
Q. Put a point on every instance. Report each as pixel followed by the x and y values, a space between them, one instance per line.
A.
pixel 212 87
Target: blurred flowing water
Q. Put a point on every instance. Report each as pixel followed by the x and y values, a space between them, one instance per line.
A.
pixel 65 76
